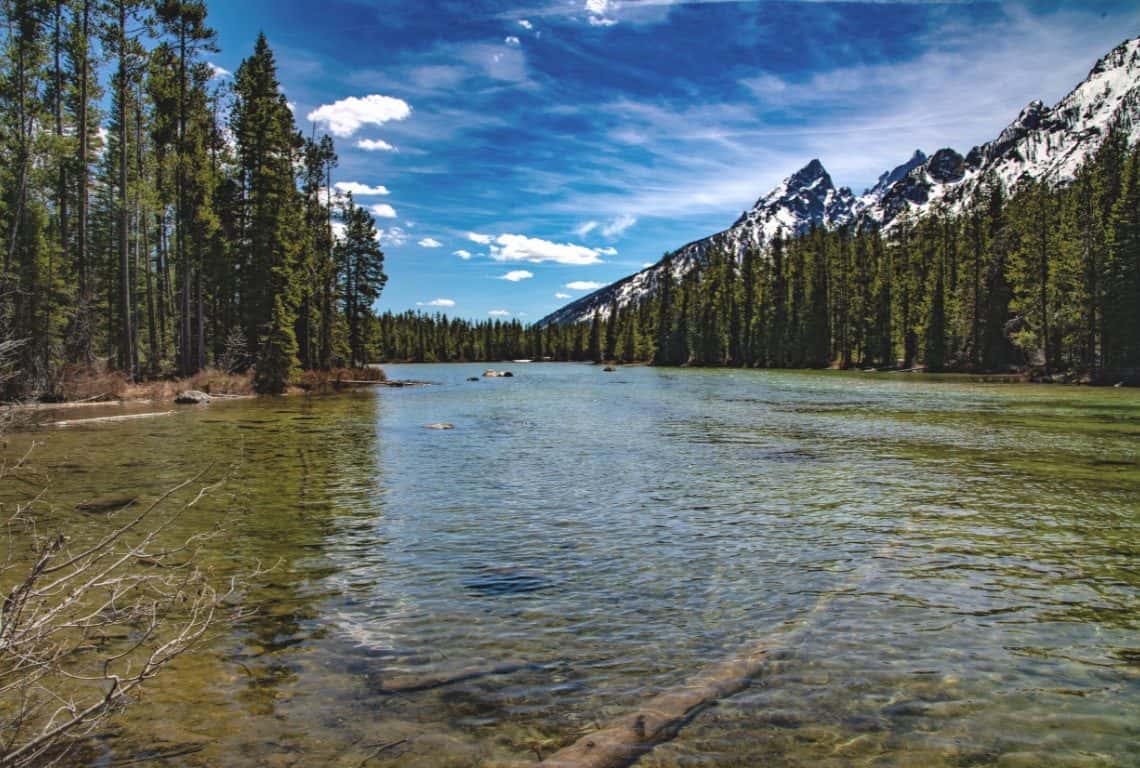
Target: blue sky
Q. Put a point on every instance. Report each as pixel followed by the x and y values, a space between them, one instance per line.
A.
pixel 532 149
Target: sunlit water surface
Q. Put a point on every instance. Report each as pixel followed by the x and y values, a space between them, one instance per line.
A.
pixel 961 562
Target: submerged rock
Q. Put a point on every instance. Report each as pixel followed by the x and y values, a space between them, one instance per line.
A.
pixel 192 397
pixel 609 369
pixel 507 580
pixel 473 378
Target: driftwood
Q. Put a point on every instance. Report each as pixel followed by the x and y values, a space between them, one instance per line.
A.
pixel 660 719
pixel 110 419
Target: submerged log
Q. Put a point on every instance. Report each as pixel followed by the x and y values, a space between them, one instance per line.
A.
pixel 662 717
pixel 106 505
pixel 417 683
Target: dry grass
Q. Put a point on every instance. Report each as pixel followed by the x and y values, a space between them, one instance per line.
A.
pixel 210 381
pixel 331 382
pixel 76 384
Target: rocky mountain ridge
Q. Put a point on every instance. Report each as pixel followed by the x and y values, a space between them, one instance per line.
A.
pixel 1047 143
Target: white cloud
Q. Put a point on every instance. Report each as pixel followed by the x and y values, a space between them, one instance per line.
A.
pixel 360 190
pixel 647 264
pixel 525 24
pixel 608 251
pixel 584 285
pixel 430 242
pixel 375 145
pixel 512 40
pixel 291 105
pixel 392 236
pixel 436 303
pixel 384 211
pixel 517 275
pixel 465 255
pixel 586 228
pixel 618 226
pixel 596 11
pixel 562 296
pixel 536 251
pixel 347 116
pixel 218 73
pixel 499 313
pixel 475 237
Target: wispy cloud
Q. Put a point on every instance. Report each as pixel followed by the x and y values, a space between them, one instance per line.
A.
pixel 465 255
pixel 584 285
pixel 517 275
pixel 499 313
pixel 444 303
pixel 430 242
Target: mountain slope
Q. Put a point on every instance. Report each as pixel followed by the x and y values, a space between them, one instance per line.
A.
pixel 1048 143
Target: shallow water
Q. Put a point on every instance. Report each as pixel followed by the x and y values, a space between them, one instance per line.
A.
pixel 961 563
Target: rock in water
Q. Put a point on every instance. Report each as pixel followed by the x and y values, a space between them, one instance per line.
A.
pixel 506 580
pixel 609 369
pixel 192 397
pixel 498 375
pixel 440 426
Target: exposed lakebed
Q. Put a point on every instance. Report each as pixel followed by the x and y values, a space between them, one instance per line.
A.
pixel 960 562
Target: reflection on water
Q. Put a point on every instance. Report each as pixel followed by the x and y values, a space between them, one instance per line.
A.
pixel 961 561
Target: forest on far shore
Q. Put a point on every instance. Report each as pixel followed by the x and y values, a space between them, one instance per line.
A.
pixel 1044 279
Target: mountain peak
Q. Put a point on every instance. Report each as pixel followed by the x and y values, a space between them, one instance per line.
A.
pixel 812 172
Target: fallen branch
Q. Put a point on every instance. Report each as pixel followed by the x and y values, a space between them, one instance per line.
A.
pixel 110 419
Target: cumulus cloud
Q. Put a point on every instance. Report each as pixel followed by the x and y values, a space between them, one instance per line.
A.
pixel 461 253
pixel 618 226
pixel 608 251
pixel 347 116
pixel 475 237
pixel 562 296
pixel 360 190
pixel 517 275
pixel 375 145
pixel 512 40
pixel 534 250
pixel 219 73
pixel 499 313
pixel 584 285
pixel 384 211
pixel 525 24
pixel 430 242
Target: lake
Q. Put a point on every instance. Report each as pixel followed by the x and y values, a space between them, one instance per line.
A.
pixel 944 573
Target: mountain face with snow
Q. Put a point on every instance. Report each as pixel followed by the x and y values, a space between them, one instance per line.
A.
pixel 1044 143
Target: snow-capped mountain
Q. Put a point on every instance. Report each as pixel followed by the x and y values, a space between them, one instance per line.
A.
pixel 805 199
pixel 1048 143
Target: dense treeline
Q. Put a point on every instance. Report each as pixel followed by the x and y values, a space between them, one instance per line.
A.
pixel 158 221
pixel 1046 278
